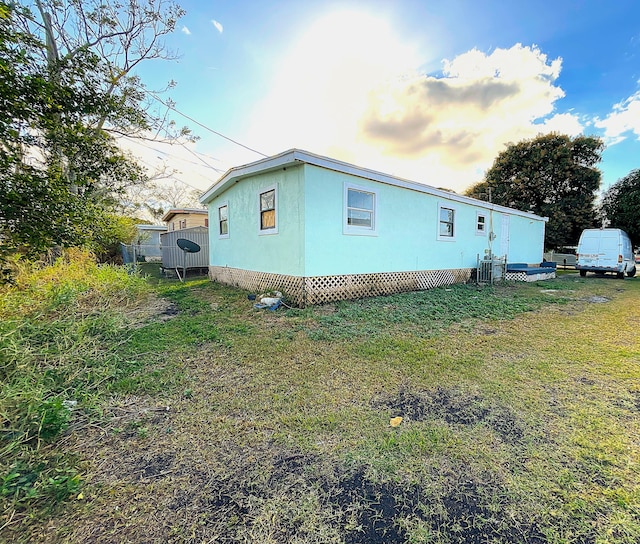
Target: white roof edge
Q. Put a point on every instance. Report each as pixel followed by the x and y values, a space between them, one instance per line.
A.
pixel 299 156
pixel 182 211
pixel 152 227
pixel 262 165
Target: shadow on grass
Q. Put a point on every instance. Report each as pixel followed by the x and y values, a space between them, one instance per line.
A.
pixel 345 504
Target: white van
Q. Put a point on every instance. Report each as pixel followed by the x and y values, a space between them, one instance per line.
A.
pixel 605 250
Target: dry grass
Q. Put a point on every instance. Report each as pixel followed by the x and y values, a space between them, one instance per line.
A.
pixel 521 426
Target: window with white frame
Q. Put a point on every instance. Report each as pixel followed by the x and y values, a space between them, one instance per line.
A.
pixel 360 210
pixel 268 211
pixel 223 221
pixel 446 223
pixel 481 224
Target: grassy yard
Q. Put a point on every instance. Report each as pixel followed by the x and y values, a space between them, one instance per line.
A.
pixel 175 412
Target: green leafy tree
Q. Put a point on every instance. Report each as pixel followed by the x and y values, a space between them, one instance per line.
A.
pixel 621 205
pixel 554 176
pixel 67 90
pixel 117 37
pixel 33 200
pixel 109 232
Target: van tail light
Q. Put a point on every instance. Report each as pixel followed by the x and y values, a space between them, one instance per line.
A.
pixel 620 259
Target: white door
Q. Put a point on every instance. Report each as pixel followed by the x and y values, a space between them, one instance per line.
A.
pixel 504 236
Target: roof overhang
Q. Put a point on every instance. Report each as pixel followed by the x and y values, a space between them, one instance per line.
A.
pixel 298 157
pixel 151 227
pixel 182 211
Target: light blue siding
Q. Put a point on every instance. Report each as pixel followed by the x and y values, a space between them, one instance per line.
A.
pixel 245 247
pixel 526 239
pixel 407 230
pixel 311 239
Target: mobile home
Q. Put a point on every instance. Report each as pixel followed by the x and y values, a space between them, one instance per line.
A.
pixel 321 230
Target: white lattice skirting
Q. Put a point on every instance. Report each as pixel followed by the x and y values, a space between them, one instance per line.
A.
pixel 305 291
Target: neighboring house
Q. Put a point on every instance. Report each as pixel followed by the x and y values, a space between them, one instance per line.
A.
pixel 185 218
pixel 321 230
pixel 145 246
pixel 147 243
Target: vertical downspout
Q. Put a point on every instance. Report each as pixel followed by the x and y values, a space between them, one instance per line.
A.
pixel 490 226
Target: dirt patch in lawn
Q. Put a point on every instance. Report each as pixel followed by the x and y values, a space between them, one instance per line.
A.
pixel 152 309
pixel 596 299
pixel 455 407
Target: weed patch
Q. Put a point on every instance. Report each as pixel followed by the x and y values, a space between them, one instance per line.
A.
pixel 60 332
pixel 35 481
pixel 424 313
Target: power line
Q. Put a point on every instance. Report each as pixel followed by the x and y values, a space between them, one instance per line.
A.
pixel 170 177
pixel 172 107
pixel 200 153
pixel 200 158
pixel 176 157
pixel 173 175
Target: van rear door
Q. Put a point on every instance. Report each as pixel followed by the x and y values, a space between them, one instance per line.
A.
pixel 589 249
pixel 599 249
pixel 609 249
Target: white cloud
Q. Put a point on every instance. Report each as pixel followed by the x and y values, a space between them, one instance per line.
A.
pixel 562 123
pixel 348 90
pixel 217 25
pixel 623 120
pixel 466 115
pixel 186 31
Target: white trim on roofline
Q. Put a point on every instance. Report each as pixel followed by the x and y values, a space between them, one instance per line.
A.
pixel 151 227
pixel 182 211
pixel 298 156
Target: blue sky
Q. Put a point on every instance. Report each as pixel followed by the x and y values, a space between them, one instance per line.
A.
pixel 431 91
